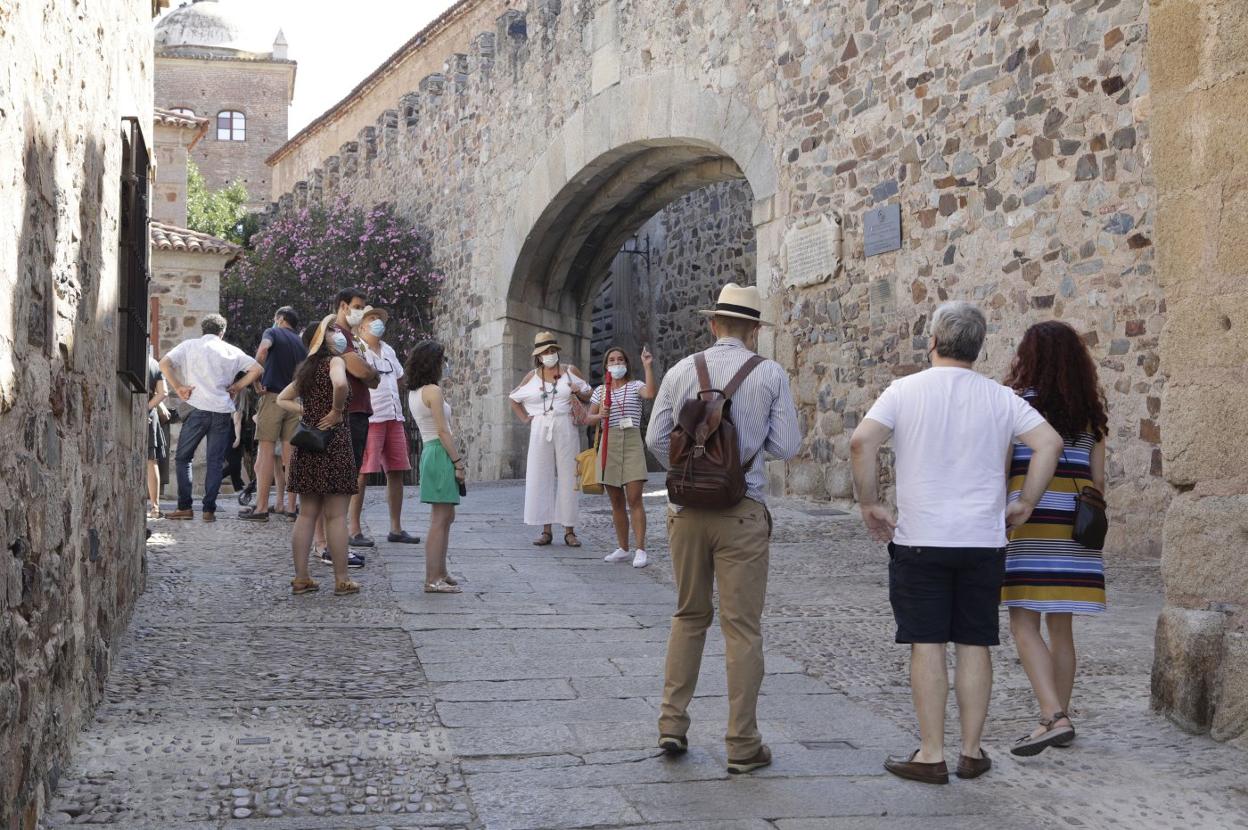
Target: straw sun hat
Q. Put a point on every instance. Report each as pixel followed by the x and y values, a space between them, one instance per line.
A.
pixel 741 301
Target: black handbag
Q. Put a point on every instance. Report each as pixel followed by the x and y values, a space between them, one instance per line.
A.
pixel 310 439
pixel 1091 523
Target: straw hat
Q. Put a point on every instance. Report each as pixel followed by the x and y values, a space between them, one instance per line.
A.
pixel 544 341
pixel 379 313
pixel 319 337
pixel 742 301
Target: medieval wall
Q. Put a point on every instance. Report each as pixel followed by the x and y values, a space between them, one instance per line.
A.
pixel 258 89
pixel 1014 136
pixel 72 440
pixel 1199 62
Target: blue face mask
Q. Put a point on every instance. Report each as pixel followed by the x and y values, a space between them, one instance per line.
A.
pixel 340 342
pixel 377 328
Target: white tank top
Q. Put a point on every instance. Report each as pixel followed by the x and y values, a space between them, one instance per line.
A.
pixel 424 415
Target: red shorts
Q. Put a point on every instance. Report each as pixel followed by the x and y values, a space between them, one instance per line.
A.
pixel 386 449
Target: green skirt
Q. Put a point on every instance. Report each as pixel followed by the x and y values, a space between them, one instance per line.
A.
pixel 437 475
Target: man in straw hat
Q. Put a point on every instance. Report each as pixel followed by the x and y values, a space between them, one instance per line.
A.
pixel 729 545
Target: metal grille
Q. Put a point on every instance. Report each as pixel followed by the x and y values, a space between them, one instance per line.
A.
pixel 132 255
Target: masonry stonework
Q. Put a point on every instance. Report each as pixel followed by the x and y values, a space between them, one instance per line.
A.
pixel 72 439
pixel 1014 136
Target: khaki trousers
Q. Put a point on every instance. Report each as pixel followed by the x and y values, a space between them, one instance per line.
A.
pixel 728 547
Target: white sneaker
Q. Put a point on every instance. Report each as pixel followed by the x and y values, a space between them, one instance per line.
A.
pixel 640 560
pixel 619 555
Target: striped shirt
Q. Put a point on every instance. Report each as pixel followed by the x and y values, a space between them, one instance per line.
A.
pixel 625 402
pixel 762 409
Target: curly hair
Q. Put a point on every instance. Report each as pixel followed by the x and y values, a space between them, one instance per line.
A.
pixel 424 365
pixel 1053 365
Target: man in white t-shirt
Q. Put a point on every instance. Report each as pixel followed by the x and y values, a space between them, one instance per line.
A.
pixel 952 429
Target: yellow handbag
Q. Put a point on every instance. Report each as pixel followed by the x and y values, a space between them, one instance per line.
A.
pixel 587 478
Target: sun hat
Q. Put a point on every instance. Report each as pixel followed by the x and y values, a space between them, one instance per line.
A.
pixel 544 341
pixel 741 301
pixel 319 337
pixel 380 313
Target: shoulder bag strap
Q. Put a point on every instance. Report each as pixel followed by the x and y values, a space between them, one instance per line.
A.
pixel 704 374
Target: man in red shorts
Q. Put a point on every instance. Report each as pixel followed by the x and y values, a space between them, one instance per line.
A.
pixel 387 439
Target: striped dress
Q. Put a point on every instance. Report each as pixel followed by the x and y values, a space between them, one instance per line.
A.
pixel 1045 569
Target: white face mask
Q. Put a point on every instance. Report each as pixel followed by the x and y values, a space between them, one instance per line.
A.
pixel 617 370
pixel 354 316
pixel 377 327
pixel 550 361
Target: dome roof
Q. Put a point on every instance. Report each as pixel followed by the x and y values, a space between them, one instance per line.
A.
pixel 213 27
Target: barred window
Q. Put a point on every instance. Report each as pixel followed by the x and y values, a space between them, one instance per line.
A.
pixel 231 126
pixel 132 261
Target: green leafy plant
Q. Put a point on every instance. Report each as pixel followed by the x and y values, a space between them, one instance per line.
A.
pixel 222 213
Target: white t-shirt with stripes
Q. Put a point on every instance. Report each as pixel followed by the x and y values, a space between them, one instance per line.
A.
pixel 625 402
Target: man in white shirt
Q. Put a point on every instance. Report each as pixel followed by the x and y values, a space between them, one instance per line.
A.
pixel 386 449
pixel 202 372
pixel 952 430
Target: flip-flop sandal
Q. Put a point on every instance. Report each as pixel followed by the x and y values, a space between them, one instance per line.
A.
pixel 442 587
pixel 570 540
pixel 545 539
pixel 1030 745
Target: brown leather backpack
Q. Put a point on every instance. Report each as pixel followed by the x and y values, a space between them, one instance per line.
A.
pixel 704 458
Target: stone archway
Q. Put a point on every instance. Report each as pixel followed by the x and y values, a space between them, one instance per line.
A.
pixel 635 148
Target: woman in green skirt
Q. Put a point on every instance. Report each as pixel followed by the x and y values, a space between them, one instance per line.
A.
pixel 441 468
pixel 624 469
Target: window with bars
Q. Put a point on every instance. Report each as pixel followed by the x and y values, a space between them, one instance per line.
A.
pixel 231 126
pixel 132 259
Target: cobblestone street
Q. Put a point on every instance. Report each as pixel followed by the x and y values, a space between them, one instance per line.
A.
pixel 530 700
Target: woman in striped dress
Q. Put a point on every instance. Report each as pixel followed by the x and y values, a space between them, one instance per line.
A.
pixel 1047 574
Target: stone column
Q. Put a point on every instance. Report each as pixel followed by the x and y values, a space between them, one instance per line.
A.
pixel 1199 70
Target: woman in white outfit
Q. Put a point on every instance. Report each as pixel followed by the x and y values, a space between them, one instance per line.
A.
pixel 544 401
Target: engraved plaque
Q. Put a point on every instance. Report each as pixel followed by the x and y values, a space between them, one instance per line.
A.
pixel 881 228
pixel 812 251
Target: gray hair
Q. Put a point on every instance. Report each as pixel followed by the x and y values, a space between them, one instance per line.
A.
pixel 959 328
pixel 212 324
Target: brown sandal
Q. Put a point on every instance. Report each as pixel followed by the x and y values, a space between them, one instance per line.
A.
pixel 345 587
pixel 441 586
pixel 545 539
pixel 570 539
pixel 304 586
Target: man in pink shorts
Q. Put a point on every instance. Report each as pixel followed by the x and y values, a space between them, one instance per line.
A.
pixel 387 439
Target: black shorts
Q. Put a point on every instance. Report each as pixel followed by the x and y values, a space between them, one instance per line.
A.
pixel 359 436
pixel 946 595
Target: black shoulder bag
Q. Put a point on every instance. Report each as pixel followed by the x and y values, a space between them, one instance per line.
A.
pixel 310 439
pixel 1091 522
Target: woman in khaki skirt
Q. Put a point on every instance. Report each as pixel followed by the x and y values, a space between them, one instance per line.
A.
pixel 624 474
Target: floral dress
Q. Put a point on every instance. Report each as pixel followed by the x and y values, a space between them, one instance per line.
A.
pixel 323 473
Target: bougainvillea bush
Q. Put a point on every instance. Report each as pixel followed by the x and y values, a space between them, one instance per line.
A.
pixel 304 258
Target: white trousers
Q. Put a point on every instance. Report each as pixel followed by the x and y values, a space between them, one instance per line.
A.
pixel 550 496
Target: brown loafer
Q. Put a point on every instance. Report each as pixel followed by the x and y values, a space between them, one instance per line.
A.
pixel 904 766
pixel 208 517
pixel 181 514
pixel 969 767
pixel 760 759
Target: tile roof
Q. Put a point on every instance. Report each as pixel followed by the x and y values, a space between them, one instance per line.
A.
pixel 172 238
pixel 176 119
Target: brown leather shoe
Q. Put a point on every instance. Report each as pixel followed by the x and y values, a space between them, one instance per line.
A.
pixel 208 517
pixel 969 767
pixel 181 514
pixel 760 759
pixel 904 766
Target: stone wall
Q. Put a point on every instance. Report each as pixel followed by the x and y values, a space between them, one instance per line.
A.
pixel 72 440
pixel 259 89
pixel 1014 136
pixel 1198 57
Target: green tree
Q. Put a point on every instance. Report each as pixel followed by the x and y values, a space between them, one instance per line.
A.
pixel 222 213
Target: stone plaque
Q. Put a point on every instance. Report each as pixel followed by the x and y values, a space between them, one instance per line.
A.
pixel 812 251
pixel 881 228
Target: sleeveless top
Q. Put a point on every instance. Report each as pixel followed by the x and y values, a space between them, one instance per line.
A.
pixel 424 415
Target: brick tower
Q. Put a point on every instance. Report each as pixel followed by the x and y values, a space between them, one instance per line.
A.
pixel 214 61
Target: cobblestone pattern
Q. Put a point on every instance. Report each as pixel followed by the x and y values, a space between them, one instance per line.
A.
pixel 828 609
pixel 1015 137
pixel 232 699
pixel 72 441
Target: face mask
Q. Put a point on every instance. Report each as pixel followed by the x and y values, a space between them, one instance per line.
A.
pixel 617 370
pixel 339 342
pixel 354 316
pixel 377 327
pixel 550 361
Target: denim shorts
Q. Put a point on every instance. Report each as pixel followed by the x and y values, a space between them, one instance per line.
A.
pixel 946 595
